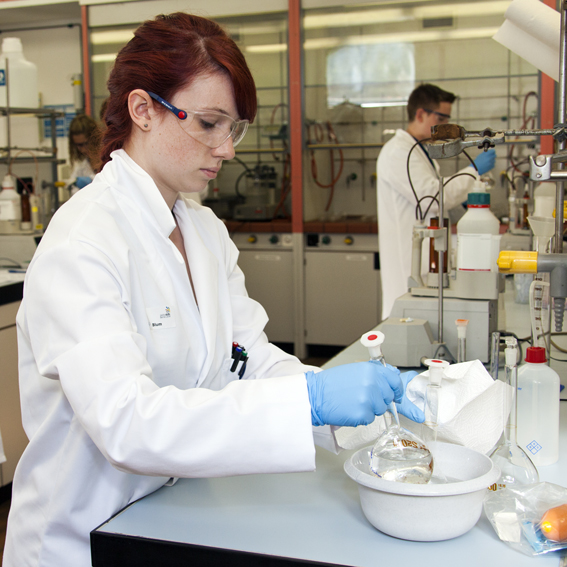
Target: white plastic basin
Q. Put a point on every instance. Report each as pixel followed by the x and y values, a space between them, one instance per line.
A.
pixel 426 512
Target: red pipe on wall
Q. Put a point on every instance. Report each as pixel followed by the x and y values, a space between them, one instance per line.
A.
pixel 295 119
pixel 86 60
pixel 547 103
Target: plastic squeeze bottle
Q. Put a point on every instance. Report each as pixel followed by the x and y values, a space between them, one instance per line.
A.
pixel 478 239
pixel 10 206
pixel 538 408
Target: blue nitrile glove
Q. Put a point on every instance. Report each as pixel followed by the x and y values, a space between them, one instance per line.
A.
pixel 81 182
pixel 485 161
pixel 352 394
pixel 406 407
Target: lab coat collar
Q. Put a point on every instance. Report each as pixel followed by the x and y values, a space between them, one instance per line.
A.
pixel 408 139
pixel 144 192
pixel 147 196
pixel 205 279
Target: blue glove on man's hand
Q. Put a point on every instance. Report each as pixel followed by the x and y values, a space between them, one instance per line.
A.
pixel 485 161
pixel 353 394
pixel 81 182
pixel 406 407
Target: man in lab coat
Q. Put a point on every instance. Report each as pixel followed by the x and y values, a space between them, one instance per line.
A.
pixel 428 105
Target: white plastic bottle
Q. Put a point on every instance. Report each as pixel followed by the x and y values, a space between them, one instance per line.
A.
pixel 10 207
pixel 478 240
pixel 538 408
pixel 21 76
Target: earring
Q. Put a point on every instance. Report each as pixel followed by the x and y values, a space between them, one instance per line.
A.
pixel 145 125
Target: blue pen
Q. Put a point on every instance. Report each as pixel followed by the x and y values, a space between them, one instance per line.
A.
pixel 16 271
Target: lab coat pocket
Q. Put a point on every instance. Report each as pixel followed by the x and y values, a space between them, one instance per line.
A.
pixel 223 376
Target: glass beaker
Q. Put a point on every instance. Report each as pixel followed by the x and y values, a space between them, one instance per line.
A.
pixel 516 468
pixel 398 454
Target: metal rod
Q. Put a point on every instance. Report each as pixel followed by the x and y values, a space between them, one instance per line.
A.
pixel 345 145
pixel 440 262
pixel 8 119
pixel 560 191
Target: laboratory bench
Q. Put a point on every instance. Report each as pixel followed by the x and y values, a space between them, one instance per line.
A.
pixel 11 290
pixel 287 519
pixel 348 225
pixel 13 436
pixel 295 519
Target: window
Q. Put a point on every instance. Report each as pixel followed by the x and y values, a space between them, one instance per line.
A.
pixel 380 74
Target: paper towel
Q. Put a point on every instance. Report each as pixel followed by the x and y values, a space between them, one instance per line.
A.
pixel 473 409
pixel 532 31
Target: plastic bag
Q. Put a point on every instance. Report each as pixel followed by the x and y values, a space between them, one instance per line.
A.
pixel 516 514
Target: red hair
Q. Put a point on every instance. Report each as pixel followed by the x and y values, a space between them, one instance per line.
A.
pixel 165 55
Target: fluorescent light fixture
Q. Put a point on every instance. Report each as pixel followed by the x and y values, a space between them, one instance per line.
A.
pixel 384 103
pixel 256 30
pixel 463 9
pixel 104 58
pixel 390 15
pixel 421 36
pixel 111 37
pixel 267 48
pixel 385 16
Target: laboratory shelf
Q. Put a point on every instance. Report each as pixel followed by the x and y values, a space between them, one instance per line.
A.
pixel 39 112
pixel 36 159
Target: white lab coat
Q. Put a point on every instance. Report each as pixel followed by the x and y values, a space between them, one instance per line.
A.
pixel 125 379
pixel 81 168
pixel 397 206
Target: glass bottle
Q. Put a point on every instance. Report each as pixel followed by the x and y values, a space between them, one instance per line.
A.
pixel 516 468
pixel 398 454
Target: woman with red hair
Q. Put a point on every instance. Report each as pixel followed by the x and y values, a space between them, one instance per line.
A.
pixel 141 356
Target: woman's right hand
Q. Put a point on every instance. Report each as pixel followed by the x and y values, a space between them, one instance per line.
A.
pixel 352 394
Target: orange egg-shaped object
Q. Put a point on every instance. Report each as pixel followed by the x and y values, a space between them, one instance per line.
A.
pixel 553 524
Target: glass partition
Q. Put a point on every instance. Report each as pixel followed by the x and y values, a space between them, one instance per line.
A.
pixel 361 62
pixel 255 185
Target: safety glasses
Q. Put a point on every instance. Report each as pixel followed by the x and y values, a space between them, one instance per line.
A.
pixel 443 118
pixel 207 126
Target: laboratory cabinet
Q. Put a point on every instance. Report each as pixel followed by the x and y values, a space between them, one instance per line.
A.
pixel 13 435
pixel 267 262
pixel 342 287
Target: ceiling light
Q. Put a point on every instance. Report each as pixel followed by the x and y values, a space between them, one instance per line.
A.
pixel 111 37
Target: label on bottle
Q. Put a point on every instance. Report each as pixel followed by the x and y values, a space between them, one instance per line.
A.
pixel 474 252
pixel 8 210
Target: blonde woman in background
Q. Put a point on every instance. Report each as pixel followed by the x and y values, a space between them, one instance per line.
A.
pixel 84 137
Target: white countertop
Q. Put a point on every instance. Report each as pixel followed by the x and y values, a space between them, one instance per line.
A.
pixel 11 275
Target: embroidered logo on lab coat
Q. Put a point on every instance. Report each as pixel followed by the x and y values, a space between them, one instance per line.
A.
pixel 160 317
